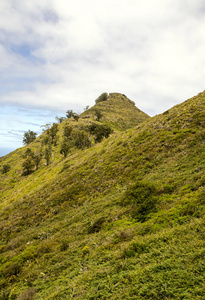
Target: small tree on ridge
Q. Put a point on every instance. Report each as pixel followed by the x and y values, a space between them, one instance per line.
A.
pixel 29 137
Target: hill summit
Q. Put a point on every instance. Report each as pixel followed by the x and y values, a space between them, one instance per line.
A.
pixel 118 111
pixel 120 215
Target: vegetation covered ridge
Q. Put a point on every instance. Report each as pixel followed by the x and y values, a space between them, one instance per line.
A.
pixel 117 111
pixel 120 218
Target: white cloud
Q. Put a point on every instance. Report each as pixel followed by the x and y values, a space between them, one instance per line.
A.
pixel 61 54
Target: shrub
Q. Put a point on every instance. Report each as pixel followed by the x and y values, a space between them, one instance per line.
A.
pixel 28 153
pixel 71 114
pixel 28 165
pixel 67 131
pixel 102 97
pixel 12 270
pixel 98 114
pixel 64 245
pixel 5 168
pixel 81 139
pixel 45 140
pixel 168 188
pixel 65 147
pixel 135 248
pixel 44 247
pixel 123 235
pixel 97 225
pixel 100 131
pixel 142 197
pixel 74 138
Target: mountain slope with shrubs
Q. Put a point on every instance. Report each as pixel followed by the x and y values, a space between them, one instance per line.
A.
pixel 120 215
pixel 117 111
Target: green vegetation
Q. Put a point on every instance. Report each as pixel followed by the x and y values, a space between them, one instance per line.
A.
pixel 143 199
pixel 60 119
pixel 53 133
pixel 100 131
pixel 5 168
pixel 28 165
pixel 117 111
pixel 102 97
pixel 29 137
pixel 71 114
pixel 119 219
pixel 98 114
pixel 48 153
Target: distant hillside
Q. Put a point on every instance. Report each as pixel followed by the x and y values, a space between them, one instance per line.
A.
pixel 116 218
pixel 118 111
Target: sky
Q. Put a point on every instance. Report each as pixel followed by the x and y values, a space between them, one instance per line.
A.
pixel 57 55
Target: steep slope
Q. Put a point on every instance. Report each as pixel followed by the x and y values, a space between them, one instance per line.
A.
pixel 123 219
pixel 117 107
pixel 118 111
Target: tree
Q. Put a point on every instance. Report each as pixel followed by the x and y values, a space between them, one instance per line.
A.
pixel 74 138
pixel 86 108
pixel 29 137
pixel 65 147
pixel 67 131
pixel 45 140
pixel 60 119
pixel 46 127
pixel 28 153
pixel 71 114
pixel 99 131
pixel 76 117
pixel 102 97
pixel 28 165
pixel 37 159
pixel 67 143
pixel 47 154
pixel 98 114
pixel 53 132
pixel 81 139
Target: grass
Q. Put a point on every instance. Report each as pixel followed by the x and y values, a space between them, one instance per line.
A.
pixel 78 228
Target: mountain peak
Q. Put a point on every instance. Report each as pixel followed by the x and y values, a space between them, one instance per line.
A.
pixel 118 111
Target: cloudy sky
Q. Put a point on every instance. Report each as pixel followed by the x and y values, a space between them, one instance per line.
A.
pixel 57 55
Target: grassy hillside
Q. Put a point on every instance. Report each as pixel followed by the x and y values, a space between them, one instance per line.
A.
pixel 117 111
pixel 120 219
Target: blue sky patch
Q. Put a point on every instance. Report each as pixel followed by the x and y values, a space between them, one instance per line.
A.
pixel 23 50
pixel 26 51
pixel 50 17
